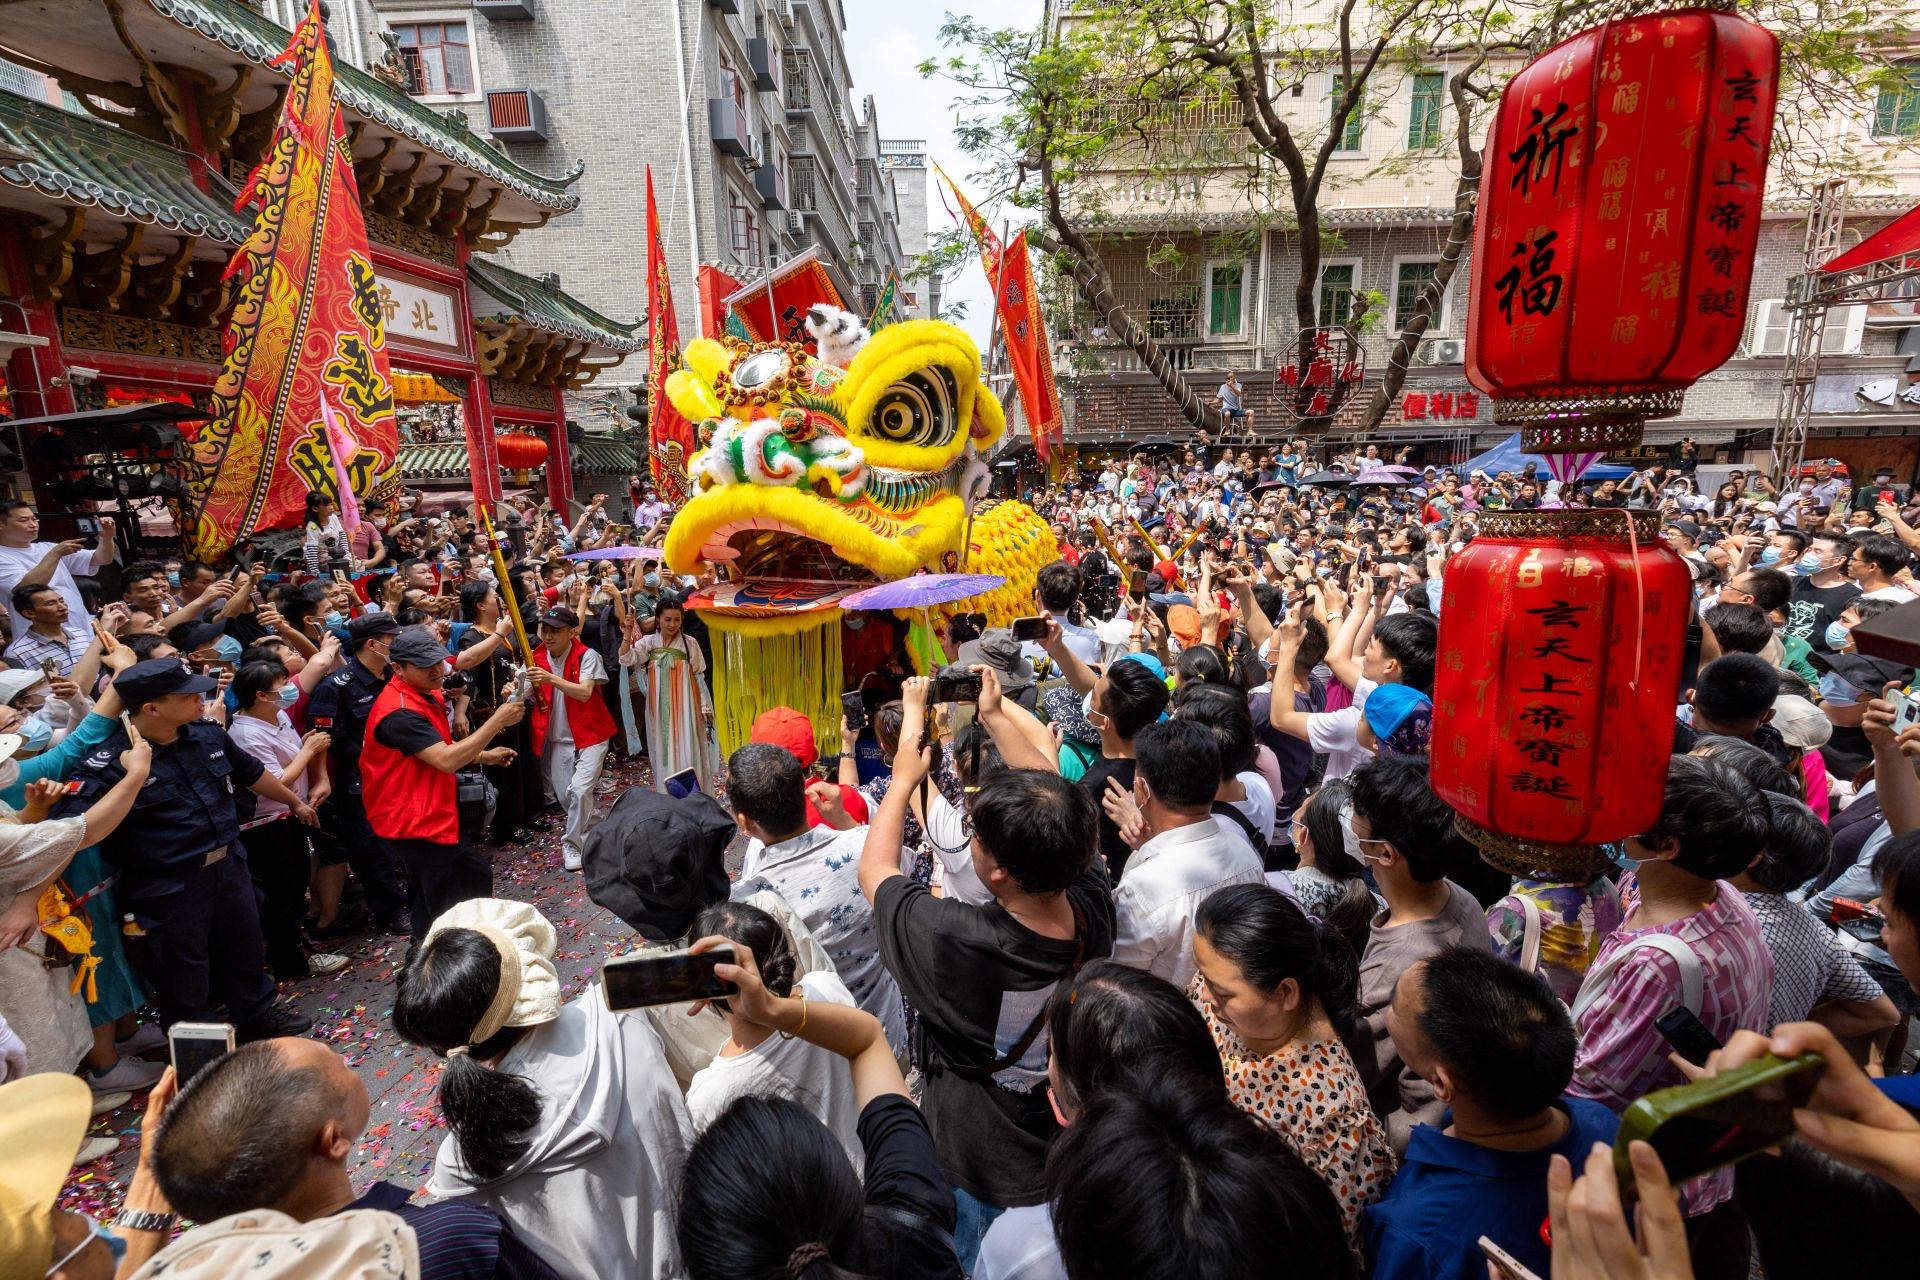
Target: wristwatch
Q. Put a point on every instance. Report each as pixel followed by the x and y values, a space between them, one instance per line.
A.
pixel 141 1220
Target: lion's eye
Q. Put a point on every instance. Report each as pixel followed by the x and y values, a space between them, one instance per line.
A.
pixel 918 409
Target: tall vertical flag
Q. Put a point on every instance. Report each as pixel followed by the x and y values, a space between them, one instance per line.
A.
pixel 308 323
pixel 669 434
pixel 340 448
pixel 885 305
pixel 1029 354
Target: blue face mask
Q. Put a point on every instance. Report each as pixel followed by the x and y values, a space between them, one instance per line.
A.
pixel 1616 852
pixel 95 1230
pixel 36 735
pixel 1836 635
pixel 650 581
pixel 1770 556
pixel 1807 564
pixel 173 577
pixel 334 621
pixel 229 649
pixel 289 694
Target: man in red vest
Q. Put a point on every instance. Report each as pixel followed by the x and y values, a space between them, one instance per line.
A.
pixel 407 769
pixel 571 722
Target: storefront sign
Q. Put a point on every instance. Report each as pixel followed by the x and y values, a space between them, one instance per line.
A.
pixel 420 313
pixel 1417 406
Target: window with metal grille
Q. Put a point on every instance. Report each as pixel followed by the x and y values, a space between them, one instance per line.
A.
pixel 1336 292
pixel 1409 279
pixel 1226 298
pixel 437 57
pixel 1425 127
pixel 800 183
pixel 799 86
pixel 745 228
pixel 1896 111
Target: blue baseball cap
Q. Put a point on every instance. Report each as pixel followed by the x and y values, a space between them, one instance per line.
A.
pixel 1401 718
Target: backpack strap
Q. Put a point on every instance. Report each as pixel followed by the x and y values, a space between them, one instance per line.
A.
pixel 1227 810
pixel 1692 977
pixel 1018 1050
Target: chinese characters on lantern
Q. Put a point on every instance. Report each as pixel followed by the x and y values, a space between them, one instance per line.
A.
pixel 1557 640
pixel 1416 405
pixel 1736 179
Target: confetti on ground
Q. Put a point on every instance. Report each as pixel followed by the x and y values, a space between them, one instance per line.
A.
pixel 353 1012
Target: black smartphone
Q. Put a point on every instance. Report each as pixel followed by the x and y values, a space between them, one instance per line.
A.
pixel 960 686
pixel 1034 629
pixel 854 707
pixel 88 529
pixel 1137 584
pixel 1687 1034
pixel 668 977
pixel 193 1047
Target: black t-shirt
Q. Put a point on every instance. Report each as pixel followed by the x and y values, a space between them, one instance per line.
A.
pixel 457 1240
pixel 980 979
pixel 1811 608
pixel 407 732
pixel 1112 847
pixel 911 1214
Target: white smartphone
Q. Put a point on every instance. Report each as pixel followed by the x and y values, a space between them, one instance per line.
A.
pixel 194 1046
pixel 1505 1262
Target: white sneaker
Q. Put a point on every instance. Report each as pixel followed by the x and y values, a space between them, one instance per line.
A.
pixel 96 1149
pixel 128 1073
pixel 571 860
pixel 148 1039
pixel 322 963
pixel 105 1102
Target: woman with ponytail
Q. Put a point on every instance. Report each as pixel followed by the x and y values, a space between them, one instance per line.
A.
pixel 564 1118
pixel 754 1061
pixel 769 1194
pixel 1278 992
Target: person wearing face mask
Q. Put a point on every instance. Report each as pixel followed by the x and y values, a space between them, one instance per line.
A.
pixel 1821 591
pixel 278 855
pixel 1798 506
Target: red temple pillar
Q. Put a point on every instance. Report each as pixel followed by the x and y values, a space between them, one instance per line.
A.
pixel 559 459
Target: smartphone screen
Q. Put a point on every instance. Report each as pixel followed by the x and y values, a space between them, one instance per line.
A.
pixel 193 1047
pixel 683 784
pixel 672 977
pixel 854 707
pixel 956 688
pixel 1687 1034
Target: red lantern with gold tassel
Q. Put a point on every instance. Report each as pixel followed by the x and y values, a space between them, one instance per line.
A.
pixel 1619 208
pixel 520 452
pixel 1555 684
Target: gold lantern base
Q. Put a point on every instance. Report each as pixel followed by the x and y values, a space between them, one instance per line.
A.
pixel 1534 859
pixel 1585 424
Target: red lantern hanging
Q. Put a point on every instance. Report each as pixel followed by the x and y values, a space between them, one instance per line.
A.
pixel 1558 666
pixel 521 451
pixel 1619 208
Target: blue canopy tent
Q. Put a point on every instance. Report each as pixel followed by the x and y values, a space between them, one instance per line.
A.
pixel 1508 456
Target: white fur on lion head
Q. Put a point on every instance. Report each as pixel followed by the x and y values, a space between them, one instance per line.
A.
pixel 838 334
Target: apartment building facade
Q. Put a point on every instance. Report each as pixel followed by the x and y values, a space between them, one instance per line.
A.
pixel 1202 255
pixel 743 109
pixel 912 184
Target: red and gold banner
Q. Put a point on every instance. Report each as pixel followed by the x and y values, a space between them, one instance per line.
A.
pixel 1028 352
pixel 982 233
pixel 307 323
pixel 716 286
pixel 774 309
pixel 669 434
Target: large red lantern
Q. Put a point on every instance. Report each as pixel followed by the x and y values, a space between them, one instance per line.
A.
pixel 520 450
pixel 1555 684
pixel 1619 207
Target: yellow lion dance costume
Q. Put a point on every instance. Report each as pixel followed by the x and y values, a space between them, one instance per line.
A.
pixel 813 481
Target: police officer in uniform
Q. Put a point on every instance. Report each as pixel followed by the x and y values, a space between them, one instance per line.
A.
pixel 340 706
pixel 191 922
pixel 414 803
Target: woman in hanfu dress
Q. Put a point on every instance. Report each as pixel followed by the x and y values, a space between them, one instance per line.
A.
pixel 679 709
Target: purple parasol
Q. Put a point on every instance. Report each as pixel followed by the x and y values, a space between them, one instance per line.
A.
pixel 1401 470
pixel 1379 475
pixel 618 553
pixel 923 591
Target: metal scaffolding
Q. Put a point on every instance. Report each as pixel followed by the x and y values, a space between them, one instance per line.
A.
pixel 1806 329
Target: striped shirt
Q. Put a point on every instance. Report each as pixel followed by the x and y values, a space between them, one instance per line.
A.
pixel 65 649
pixel 1623 1056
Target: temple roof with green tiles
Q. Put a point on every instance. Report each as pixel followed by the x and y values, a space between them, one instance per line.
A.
pixel 598 455
pixel 78 160
pixel 503 296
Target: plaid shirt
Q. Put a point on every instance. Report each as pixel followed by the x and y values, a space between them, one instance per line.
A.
pixel 1623 1056
pixel 27 652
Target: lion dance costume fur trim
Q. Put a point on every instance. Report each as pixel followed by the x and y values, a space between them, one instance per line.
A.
pixel 813 481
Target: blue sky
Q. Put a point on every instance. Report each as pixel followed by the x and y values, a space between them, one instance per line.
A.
pixel 886 41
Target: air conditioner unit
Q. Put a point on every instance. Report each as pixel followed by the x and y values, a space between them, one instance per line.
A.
pixel 1438 351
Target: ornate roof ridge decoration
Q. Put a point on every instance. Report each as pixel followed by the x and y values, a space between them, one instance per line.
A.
pixel 89 162
pixel 547 307
pixel 258 39
pixel 449 460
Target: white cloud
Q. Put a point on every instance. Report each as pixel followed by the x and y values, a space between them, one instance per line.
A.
pixel 886 41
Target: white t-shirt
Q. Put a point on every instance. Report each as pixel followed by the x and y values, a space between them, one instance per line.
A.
pixel 1258 807
pixel 952 846
pixel 17 562
pixel 1337 734
pixel 592 671
pixel 1020 1246
pixel 273 745
pixel 818 1079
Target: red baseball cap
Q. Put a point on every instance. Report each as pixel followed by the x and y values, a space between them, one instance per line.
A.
pixel 785 727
